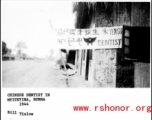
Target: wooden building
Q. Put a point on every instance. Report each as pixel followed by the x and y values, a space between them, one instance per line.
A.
pixel 8 57
pixel 128 66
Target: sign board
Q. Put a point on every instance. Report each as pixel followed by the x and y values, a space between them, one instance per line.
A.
pixel 98 38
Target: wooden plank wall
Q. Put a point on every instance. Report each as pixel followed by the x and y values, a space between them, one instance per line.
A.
pixel 119 14
pixel 142 75
pixel 123 13
pixel 140 15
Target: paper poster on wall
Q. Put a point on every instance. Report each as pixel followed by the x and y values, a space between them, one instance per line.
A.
pixel 103 37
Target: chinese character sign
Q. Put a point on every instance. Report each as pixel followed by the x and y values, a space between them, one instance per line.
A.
pixel 105 37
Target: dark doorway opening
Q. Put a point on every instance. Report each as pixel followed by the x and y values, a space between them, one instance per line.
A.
pixel 89 57
pixel 71 57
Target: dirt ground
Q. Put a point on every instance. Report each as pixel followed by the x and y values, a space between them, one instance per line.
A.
pixel 39 74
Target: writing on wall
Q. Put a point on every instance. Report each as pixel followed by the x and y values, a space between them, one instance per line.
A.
pixel 105 67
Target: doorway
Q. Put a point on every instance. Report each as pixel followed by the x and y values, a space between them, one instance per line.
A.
pixel 88 58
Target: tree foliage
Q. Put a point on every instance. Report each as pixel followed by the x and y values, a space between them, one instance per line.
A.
pixel 9 51
pixel 4 48
pixel 20 46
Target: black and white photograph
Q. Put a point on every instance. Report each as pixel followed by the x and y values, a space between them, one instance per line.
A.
pixel 75 44
pixel 75 60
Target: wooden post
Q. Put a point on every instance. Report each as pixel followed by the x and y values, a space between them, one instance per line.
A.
pixel 91 69
pixel 67 77
pixel 62 60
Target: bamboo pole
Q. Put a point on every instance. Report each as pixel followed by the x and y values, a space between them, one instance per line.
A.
pixel 67 77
